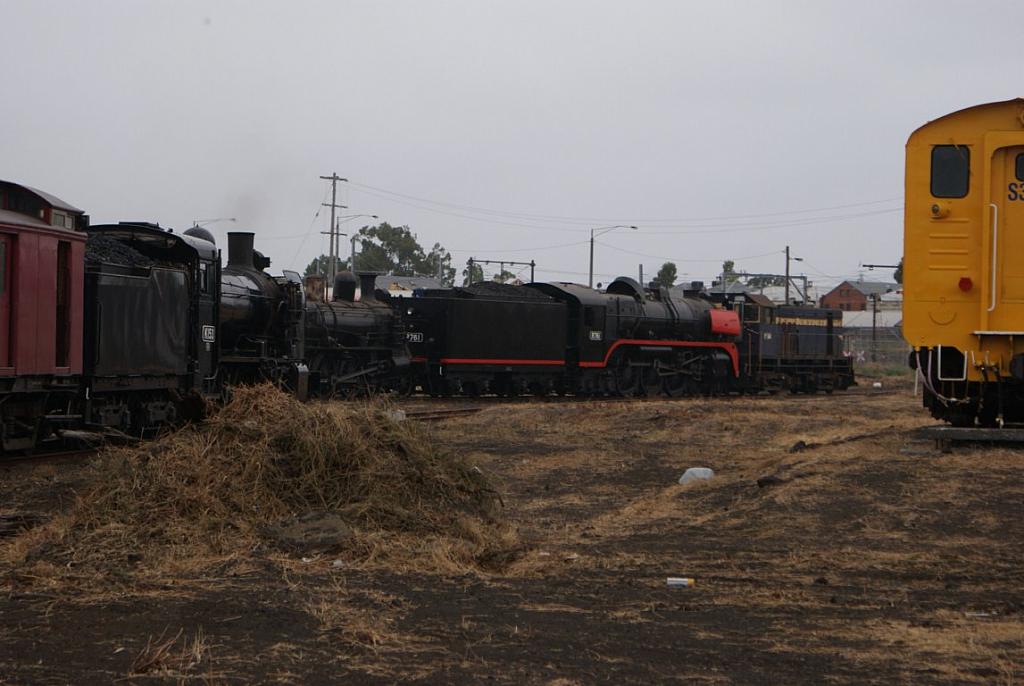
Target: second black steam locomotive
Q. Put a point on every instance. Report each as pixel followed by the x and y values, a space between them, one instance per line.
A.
pixel 270 331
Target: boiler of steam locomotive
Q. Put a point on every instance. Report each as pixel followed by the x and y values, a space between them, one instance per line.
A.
pixel 653 314
pixel 261 320
pixel 630 340
pixel 354 346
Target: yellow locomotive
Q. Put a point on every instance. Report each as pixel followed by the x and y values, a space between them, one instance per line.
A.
pixel 963 269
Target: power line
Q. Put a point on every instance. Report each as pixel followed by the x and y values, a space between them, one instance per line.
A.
pixel 767 226
pixel 588 220
pixel 468 216
pixel 545 247
pixel 309 231
pixel 683 259
pixel 680 228
pixel 291 237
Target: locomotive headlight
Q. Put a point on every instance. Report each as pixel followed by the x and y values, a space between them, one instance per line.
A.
pixel 409 312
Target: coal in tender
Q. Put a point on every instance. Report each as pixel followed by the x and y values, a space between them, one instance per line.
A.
pixel 106 250
pixel 504 291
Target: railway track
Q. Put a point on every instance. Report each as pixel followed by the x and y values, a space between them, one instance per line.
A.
pixel 490 400
pixel 442 414
pixel 423 409
pixel 49 456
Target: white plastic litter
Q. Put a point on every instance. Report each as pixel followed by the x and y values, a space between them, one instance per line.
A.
pixel 696 474
pixel 877 384
pixel 680 582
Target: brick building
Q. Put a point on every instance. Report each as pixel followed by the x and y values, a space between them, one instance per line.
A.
pixel 854 296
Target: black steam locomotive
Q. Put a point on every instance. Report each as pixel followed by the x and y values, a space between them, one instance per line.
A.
pixel 627 341
pixel 566 338
pixel 270 331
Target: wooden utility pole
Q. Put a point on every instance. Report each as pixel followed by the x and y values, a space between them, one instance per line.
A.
pixel 334 179
pixel 795 259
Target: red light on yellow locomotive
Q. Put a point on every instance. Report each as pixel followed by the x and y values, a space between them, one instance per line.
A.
pixel 965 283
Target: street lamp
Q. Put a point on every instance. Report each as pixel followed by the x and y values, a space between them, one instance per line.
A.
pixel 352 254
pixel 334 259
pixel 597 232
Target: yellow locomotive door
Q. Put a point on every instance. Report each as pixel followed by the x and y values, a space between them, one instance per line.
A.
pixel 1005 302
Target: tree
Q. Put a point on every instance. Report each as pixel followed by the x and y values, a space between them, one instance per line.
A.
pixel 389 249
pixel 667 275
pixel 897 276
pixel 729 272
pixel 473 273
pixel 395 250
pixel 438 263
pixel 504 276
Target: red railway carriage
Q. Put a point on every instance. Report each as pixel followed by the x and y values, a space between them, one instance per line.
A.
pixel 42 266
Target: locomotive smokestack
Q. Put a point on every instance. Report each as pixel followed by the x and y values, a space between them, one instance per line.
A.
pixel 240 249
pixel 345 286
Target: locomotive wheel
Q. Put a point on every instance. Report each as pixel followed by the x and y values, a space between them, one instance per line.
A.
pixel 403 386
pixel 678 386
pixel 440 388
pixel 628 379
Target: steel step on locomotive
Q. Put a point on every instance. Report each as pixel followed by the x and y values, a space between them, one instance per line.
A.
pixel 126 327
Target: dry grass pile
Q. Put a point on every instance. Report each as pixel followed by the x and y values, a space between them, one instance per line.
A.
pixel 226 488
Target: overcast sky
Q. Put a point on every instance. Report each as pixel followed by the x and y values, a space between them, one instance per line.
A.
pixel 502 129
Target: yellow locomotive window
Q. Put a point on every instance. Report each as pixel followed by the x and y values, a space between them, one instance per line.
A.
pixel 951 166
pixel 1020 167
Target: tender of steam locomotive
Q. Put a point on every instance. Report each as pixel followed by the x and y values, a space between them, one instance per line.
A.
pixel 354 346
pixel 150 310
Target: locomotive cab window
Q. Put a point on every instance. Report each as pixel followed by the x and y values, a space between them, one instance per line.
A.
pixel 1020 167
pixel 951 165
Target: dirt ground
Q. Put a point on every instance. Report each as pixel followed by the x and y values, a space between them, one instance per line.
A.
pixel 816 559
